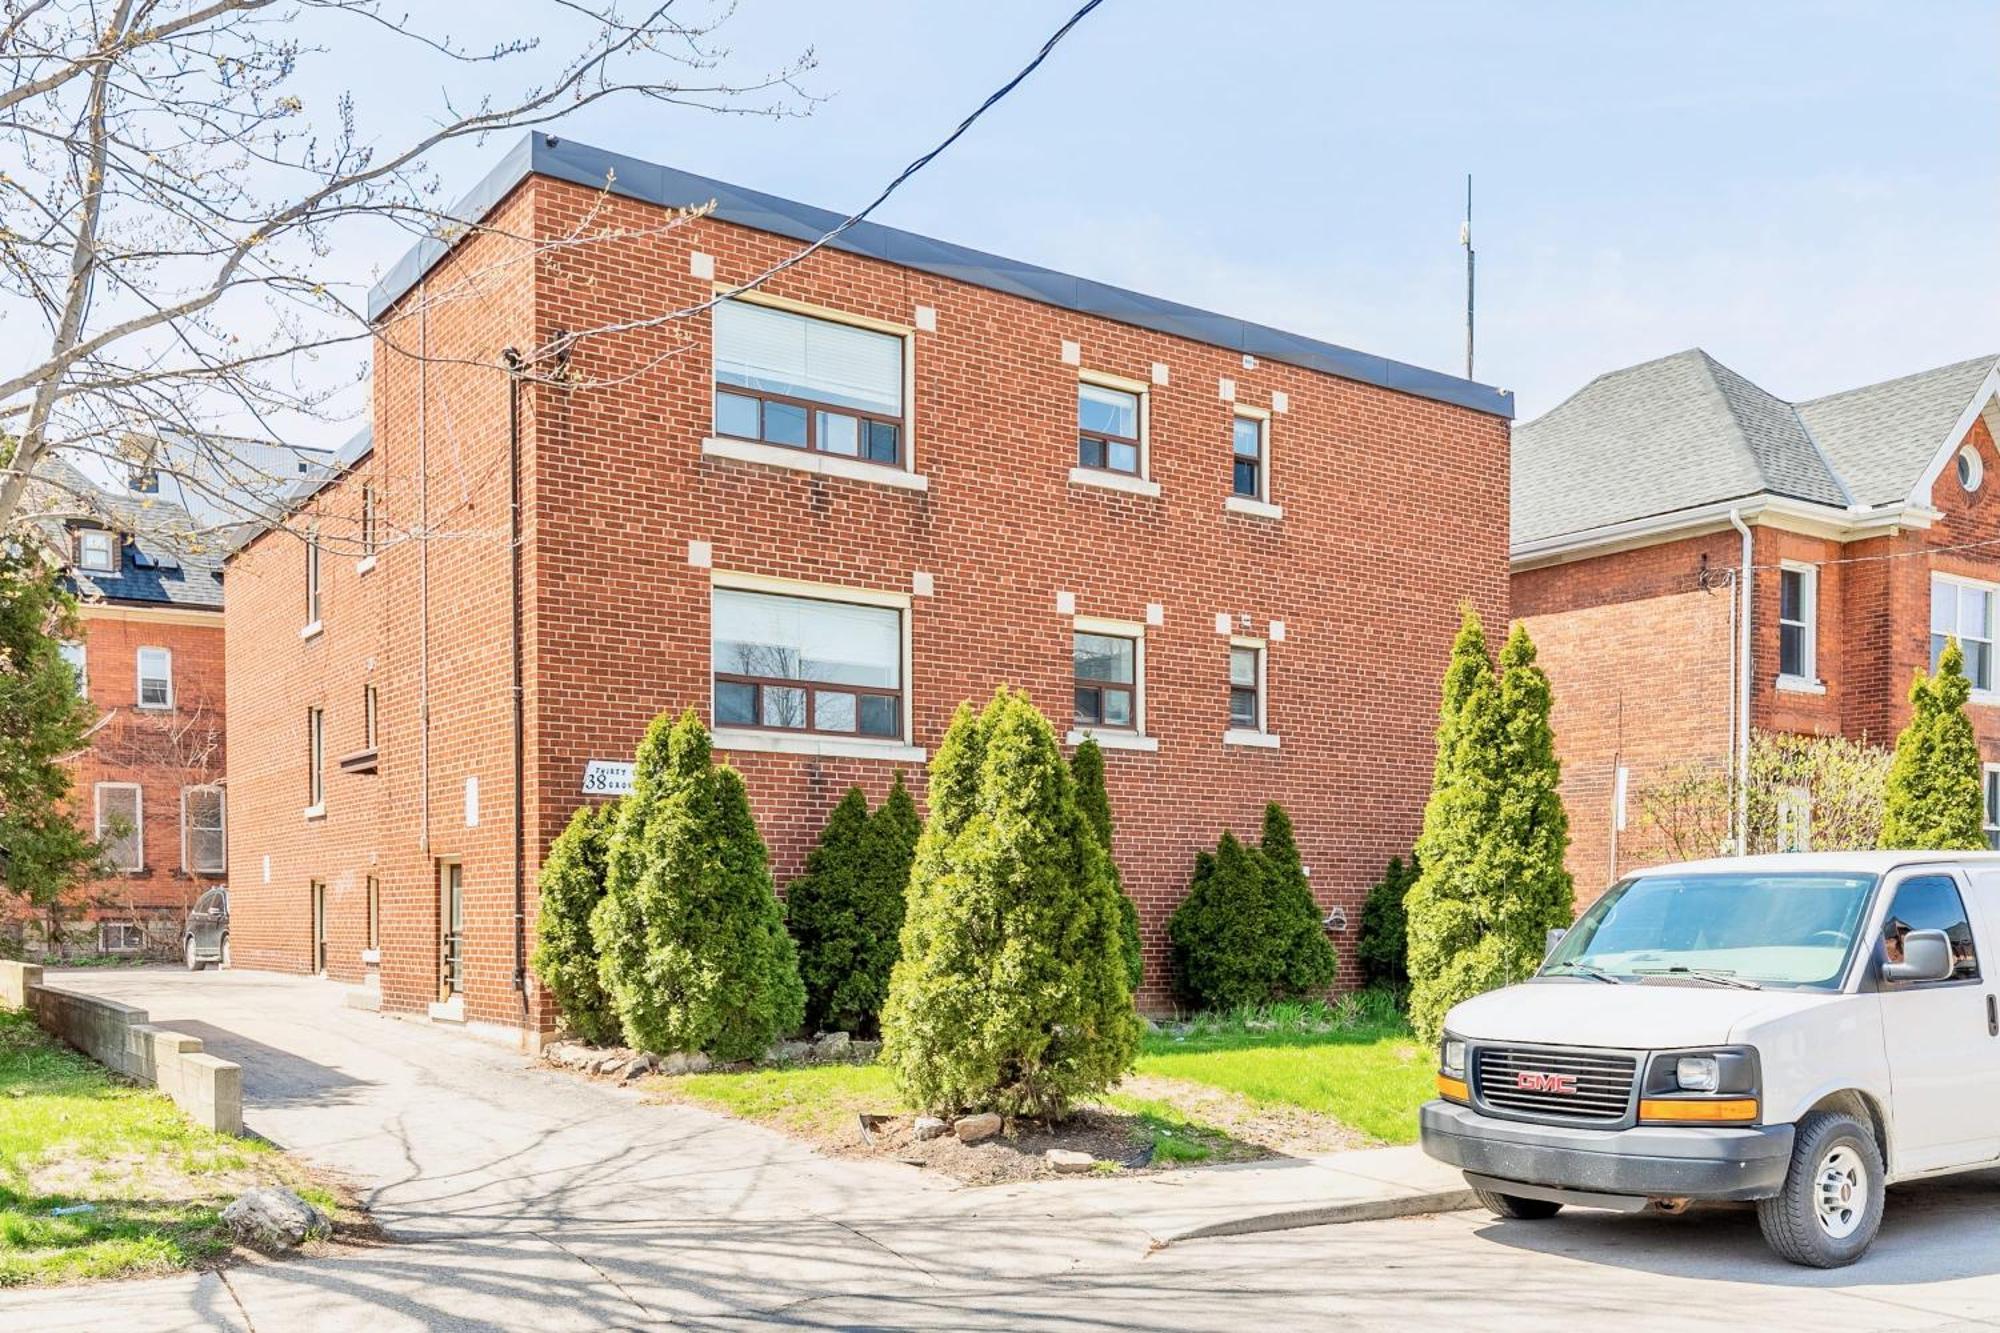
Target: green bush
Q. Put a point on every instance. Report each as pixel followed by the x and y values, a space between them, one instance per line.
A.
pixel 1087 765
pixel 1249 931
pixel 1935 801
pixel 692 938
pixel 1381 946
pixel 846 911
pixel 1010 994
pixel 566 958
pixel 1492 883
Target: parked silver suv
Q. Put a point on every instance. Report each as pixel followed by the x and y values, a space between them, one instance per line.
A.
pixel 207 942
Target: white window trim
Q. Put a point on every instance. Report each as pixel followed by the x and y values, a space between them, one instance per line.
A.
pixel 1261 736
pixel 1241 504
pixel 1258 505
pixel 139 679
pixel 1807 681
pixel 121 926
pixel 316 762
pixel 1134 737
pixel 819 464
pixel 187 830
pixel 110 540
pixel 138 820
pixel 1143 483
pixel 720 447
pixel 1979 696
pixel 1989 819
pixel 315 583
pixel 899 750
pixel 82 664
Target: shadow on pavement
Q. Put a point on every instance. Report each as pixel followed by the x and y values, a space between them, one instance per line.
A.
pixel 271 1077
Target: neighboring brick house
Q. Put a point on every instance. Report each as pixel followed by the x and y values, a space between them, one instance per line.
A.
pixel 824 514
pixel 1873 530
pixel 150 657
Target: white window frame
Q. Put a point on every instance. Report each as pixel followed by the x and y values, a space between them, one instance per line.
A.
pixel 314 586
pixel 371 717
pixel 1260 505
pixel 83 538
pixel 128 930
pixel 315 762
pixel 1989 786
pixel 221 828
pixel 900 750
pixel 138 821
pixel 906 477
pixel 77 653
pixel 1794 819
pixel 1141 484
pixel 1262 737
pixel 139 680
pixel 1134 737
pixel 1980 695
pixel 1805 681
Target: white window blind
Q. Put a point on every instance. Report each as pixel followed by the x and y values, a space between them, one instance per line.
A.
pixel 776 351
pixel 201 820
pixel 795 638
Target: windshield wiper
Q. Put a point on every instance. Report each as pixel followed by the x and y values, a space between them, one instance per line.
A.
pixel 1591 970
pixel 1701 974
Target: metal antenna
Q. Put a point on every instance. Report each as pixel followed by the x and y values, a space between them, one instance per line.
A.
pixel 1465 239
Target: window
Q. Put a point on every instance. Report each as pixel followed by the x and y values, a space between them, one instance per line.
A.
pixel 1991 775
pixel 72 653
pixel 1931 902
pixel 1107 428
pixel 1246 688
pixel 1107 680
pixel 120 937
pixel 1965 610
pixel 96 551
pixel 204 849
pixel 374 913
pixel 119 825
pixel 803 383
pixel 368 724
pixel 315 758
pixel 367 520
pixel 312 577
pixel 1247 479
pixel 800 664
pixel 1798 622
pixel 1971 469
pixel 156 678
pixel 1795 819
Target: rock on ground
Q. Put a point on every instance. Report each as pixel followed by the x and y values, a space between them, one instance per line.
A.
pixel 832 1046
pixel 973 1128
pixel 927 1127
pixel 1068 1161
pixel 275 1219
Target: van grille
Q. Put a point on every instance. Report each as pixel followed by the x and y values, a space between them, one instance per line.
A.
pixel 1601 1083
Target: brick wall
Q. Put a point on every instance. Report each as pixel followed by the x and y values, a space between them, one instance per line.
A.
pixel 1394 513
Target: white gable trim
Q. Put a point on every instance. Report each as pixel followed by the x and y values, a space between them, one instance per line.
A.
pixel 1764 510
pixel 1984 398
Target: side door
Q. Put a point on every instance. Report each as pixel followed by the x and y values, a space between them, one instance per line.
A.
pixel 1944 1061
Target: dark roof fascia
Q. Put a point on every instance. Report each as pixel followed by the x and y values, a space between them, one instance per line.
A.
pixel 541 154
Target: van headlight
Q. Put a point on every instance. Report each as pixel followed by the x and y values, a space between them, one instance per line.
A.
pixel 1698 1073
pixel 1451 1057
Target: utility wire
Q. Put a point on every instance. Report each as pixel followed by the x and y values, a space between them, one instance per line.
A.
pixel 567 340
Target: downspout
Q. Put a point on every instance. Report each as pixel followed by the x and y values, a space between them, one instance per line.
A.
pixel 512 357
pixel 1744 602
pixel 424 592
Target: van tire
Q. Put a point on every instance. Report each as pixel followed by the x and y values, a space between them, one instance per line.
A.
pixel 1827 1147
pixel 187 954
pixel 1515 1207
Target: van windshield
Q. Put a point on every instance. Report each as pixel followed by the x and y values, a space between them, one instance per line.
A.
pixel 1777 929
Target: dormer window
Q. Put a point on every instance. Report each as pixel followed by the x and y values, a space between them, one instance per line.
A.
pixel 96 551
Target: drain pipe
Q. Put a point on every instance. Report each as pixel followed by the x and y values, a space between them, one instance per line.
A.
pixel 1743 601
pixel 512 358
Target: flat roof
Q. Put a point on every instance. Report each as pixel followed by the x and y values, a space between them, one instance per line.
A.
pixel 541 154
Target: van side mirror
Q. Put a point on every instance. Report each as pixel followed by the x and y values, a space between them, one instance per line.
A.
pixel 1926 957
pixel 1555 937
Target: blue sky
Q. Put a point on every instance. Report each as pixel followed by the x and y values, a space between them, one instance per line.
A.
pixel 1809 191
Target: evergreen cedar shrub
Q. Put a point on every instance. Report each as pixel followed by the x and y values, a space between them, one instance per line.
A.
pixel 1381 947
pixel 1249 931
pixel 1011 991
pixel 566 959
pixel 1934 797
pixel 694 953
pixel 1492 883
pixel 846 911
pixel 1087 764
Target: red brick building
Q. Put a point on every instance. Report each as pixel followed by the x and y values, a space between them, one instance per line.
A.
pixel 150 657
pixel 1870 531
pixel 823 513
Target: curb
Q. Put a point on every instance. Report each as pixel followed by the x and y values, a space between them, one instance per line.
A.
pixel 1332 1214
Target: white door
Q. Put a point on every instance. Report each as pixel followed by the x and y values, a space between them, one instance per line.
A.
pixel 1944 1059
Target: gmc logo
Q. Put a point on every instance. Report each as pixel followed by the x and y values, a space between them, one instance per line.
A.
pixel 1534 1080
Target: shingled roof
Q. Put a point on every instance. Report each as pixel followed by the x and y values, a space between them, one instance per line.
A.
pixel 157 564
pixel 1686 431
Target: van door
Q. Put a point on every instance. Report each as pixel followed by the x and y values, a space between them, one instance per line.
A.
pixel 1944 1062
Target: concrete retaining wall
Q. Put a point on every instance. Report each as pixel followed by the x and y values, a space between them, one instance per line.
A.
pixel 119 1037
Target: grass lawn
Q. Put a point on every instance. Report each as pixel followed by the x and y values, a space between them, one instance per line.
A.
pixel 101 1179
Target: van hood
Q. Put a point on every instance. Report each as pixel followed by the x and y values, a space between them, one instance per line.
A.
pixel 1633 1016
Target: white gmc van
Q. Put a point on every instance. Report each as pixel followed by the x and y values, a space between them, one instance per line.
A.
pixel 1796 1030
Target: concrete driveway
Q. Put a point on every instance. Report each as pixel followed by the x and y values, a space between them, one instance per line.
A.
pixel 521 1198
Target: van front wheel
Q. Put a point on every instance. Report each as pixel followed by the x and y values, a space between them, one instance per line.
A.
pixel 1830 1207
pixel 1516 1207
